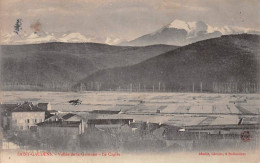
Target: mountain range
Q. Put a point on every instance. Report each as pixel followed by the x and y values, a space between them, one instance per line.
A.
pixel 178 33
pixel 174 57
pixel 181 33
pixel 46 37
pixel 227 59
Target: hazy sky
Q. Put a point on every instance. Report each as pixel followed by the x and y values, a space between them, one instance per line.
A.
pixel 125 19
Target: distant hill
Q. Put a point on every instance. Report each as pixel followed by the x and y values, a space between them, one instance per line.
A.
pixel 57 66
pixel 231 60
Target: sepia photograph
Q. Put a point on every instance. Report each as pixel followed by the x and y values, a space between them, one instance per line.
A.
pixel 129 81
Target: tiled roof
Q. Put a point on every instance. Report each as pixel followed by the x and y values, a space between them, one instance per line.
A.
pixel 59 124
pixel 27 107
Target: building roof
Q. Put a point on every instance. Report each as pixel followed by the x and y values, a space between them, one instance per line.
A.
pixel 8 107
pixel 109 121
pixel 104 112
pixel 223 127
pixel 108 126
pixel 48 116
pixel 59 124
pixel 43 104
pixel 51 116
pixel 67 116
pixel 27 107
pixel 52 111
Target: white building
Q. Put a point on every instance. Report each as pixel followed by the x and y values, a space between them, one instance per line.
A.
pixel 26 115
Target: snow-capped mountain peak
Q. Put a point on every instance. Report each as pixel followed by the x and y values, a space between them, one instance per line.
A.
pixel 193 27
pixel 45 37
pixel 74 37
pixel 179 24
pixel 33 36
pixel 112 40
pixel 196 26
pixel 180 33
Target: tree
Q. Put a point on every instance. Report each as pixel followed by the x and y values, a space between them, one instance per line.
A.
pixel 18 26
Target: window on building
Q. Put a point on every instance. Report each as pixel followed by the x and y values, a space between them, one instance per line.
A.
pixel 28 121
pixel 35 120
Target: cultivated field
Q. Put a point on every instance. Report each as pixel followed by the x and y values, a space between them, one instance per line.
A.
pixel 139 102
pixel 180 109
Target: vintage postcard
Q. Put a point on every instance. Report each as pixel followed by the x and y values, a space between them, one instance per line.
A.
pixel 130 81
